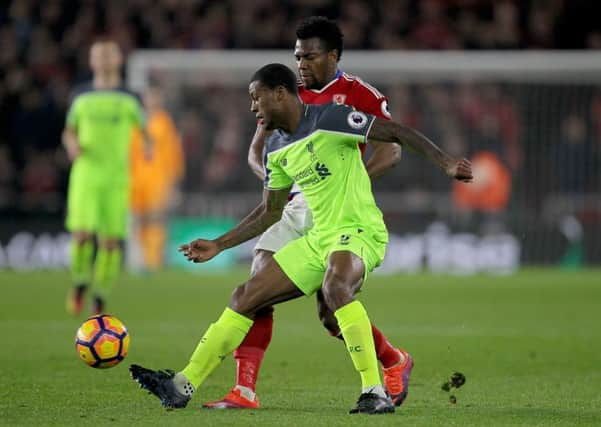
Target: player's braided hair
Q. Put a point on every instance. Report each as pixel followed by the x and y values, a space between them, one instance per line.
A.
pixel 274 75
pixel 324 29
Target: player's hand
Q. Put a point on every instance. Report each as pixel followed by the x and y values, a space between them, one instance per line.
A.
pixel 73 151
pixel 460 170
pixel 200 250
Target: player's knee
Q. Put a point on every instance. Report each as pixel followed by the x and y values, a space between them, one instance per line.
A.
pixel 109 244
pixel 336 291
pixel 82 237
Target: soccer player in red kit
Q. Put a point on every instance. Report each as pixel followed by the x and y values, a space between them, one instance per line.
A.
pixel 318 49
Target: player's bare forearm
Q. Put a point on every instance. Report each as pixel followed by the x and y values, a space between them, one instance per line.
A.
pixel 384 157
pixel 255 152
pixel 390 131
pixel 71 143
pixel 259 220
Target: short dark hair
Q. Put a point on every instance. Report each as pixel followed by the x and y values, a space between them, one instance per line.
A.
pixel 324 29
pixel 274 75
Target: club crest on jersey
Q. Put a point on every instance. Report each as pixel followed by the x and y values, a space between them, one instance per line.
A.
pixel 356 119
pixel 339 98
pixel 311 151
pixel 284 162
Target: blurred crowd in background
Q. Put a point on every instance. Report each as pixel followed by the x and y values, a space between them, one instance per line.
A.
pixel 45 53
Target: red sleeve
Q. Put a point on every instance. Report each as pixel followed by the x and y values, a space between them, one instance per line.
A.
pixel 368 99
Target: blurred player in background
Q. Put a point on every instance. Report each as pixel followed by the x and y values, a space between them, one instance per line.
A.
pixel 97 137
pixel 318 50
pixel 316 147
pixel 155 181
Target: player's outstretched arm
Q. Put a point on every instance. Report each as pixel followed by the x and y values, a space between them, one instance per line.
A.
pixel 383 157
pixel 260 219
pixel 390 131
pixel 255 151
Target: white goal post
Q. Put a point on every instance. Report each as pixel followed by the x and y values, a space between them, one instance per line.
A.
pixel 234 67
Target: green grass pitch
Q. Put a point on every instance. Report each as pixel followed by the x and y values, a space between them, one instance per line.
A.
pixel 529 346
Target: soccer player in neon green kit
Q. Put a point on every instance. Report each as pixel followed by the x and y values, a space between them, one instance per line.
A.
pixel 97 135
pixel 316 147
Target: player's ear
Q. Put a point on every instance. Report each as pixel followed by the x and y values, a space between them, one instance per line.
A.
pixel 333 55
pixel 280 93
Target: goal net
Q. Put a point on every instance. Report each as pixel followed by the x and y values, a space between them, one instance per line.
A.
pixel 530 122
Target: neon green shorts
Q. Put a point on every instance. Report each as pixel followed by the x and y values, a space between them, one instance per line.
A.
pixel 305 260
pixel 97 208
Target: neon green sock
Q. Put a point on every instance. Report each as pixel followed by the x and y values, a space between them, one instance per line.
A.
pixel 81 262
pixel 106 270
pixel 222 338
pixel 356 331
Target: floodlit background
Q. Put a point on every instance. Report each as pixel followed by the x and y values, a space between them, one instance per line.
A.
pixel 530 121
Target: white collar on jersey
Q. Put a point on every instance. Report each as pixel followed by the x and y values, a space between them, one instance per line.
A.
pixel 334 80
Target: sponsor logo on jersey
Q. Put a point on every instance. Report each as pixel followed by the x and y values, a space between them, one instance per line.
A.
pixel 339 98
pixel 356 119
pixel 322 170
pixel 303 174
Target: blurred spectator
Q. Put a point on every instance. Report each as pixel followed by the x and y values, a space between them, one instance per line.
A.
pixel 40 183
pixel 493 121
pixel 225 156
pixel 491 187
pixel 7 180
pixel 432 29
pixel 574 148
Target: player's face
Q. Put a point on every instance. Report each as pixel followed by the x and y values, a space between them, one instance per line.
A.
pixel 105 57
pixel 263 104
pixel 153 99
pixel 316 66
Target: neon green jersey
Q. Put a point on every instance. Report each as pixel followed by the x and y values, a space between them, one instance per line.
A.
pixel 103 121
pixel 323 158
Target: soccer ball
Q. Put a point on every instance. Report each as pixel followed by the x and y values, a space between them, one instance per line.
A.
pixel 102 341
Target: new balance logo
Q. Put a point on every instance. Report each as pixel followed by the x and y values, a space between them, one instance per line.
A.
pixel 322 170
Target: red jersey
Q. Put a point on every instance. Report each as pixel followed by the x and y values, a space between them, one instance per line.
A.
pixel 348 90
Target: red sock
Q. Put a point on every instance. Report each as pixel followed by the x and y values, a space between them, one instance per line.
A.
pixel 251 351
pixel 387 354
